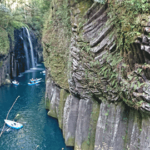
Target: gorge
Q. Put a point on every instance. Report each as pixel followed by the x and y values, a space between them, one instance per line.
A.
pixel 97 56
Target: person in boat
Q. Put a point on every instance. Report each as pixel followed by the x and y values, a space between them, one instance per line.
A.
pixel 32 79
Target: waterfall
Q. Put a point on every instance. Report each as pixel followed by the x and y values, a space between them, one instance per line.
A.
pixel 26 50
pixel 31 48
pixel 27 57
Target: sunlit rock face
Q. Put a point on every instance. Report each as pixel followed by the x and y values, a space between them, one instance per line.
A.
pixel 106 105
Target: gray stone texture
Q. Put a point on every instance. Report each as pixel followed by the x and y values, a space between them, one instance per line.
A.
pixel 119 126
pixel 5 70
pixel 83 121
pixel 70 119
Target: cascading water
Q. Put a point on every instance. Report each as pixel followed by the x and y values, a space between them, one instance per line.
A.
pixel 26 50
pixel 31 49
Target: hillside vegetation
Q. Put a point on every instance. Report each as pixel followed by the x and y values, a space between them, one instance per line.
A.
pixel 31 15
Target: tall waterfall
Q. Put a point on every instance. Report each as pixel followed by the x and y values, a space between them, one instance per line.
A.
pixel 31 49
pixel 26 50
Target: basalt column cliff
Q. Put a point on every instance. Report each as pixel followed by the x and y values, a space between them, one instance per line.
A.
pixel 99 95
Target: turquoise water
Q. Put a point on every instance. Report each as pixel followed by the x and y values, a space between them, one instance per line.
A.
pixel 38 128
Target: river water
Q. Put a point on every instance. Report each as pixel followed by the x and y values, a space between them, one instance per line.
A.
pixel 39 130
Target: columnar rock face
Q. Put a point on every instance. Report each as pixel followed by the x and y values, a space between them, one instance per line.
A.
pixel 5 70
pixel 70 119
pixel 105 102
pixel 89 125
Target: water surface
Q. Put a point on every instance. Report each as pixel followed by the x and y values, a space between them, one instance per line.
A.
pixel 38 128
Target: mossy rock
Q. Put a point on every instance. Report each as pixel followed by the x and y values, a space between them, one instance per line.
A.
pixel 1 64
pixel 56 42
pixel 90 141
pixel 70 141
pixel 63 97
pixel 52 113
pixel 47 103
pixel 4 42
pixel 7 81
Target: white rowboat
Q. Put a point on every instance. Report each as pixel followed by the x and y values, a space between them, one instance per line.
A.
pixel 15 83
pixel 33 83
pixel 13 124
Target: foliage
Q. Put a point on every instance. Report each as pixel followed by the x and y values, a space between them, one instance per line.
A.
pixel 128 18
pixel 4 42
pixel 100 1
pixel 8 22
pixel 25 14
pixel 56 40
pixel 36 14
pixel 1 63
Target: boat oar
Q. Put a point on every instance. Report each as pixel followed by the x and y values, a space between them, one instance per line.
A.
pixel 16 116
pixel 19 121
pixel 36 147
pixel 7 115
pixel 7 129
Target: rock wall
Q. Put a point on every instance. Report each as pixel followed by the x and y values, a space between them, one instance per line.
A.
pixel 5 70
pixel 89 125
pixel 106 105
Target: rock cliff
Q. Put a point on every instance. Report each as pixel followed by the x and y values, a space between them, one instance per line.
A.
pixel 5 69
pixel 99 95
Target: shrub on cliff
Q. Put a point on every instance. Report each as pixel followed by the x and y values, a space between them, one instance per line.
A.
pixel 4 41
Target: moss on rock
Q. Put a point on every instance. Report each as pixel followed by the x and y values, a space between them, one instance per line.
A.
pixel 70 141
pixel 47 103
pixel 1 64
pixel 4 42
pixel 90 141
pixel 63 97
pixel 52 112
pixel 56 40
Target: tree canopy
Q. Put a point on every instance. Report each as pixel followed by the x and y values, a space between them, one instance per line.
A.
pixel 15 14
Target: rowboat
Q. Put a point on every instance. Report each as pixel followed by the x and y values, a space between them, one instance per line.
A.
pixel 15 82
pixel 35 80
pixel 33 83
pixel 44 71
pixel 13 124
